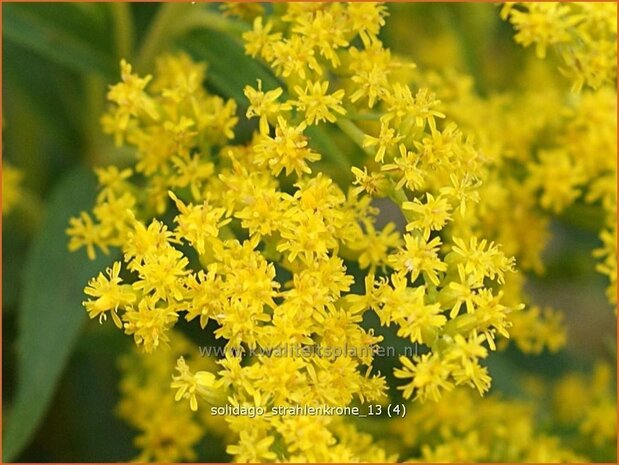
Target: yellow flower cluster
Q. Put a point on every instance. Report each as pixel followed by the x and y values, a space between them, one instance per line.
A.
pixel 166 433
pixel 587 403
pixel 584 34
pixel 499 431
pixel 257 244
pixel 550 151
pixel 505 430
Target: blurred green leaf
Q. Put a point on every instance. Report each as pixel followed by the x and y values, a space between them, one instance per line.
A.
pixel 63 34
pixel 50 314
pixel 229 69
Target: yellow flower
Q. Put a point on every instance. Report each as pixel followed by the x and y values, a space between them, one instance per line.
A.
pixel 143 242
pixel 85 233
pixel 159 273
pixel 113 181
pixel 110 295
pixel 131 98
pixel 307 236
pixel 189 385
pixel 407 165
pixel 288 150
pixel 193 171
pixel 374 246
pixel 371 83
pixel 407 307
pixel 600 423
pixel 205 291
pixel 374 184
pixel 559 178
pixel 366 19
pixel 251 448
pixel 278 256
pixel 585 32
pixel 609 265
pixel 429 377
pixel 262 210
pixel 115 215
pixel 293 58
pixel 259 40
pixel 467 353
pixel 149 323
pixel 198 224
pixel 387 139
pixel 264 105
pixel 324 31
pixel 165 432
pixel 178 77
pixel 534 329
pixel 433 215
pixel 404 109
pixel 482 260
pixel 317 104
pixel 419 256
pixel 543 24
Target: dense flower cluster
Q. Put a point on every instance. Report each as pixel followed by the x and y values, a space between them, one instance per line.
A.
pixel 581 158
pixel 585 35
pixel 256 243
pixel 504 430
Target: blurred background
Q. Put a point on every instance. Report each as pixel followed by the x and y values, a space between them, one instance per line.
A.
pixel 59 371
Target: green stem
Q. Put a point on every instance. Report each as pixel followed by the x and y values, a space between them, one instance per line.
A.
pixel 356 135
pixel 175 19
pixel 365 116
pixel 214 21
pixel 123 29
pixel 159 33
pixel 94 98
pixel 399 197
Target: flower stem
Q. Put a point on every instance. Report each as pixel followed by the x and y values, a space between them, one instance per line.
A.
pixel 159 33
pixel 123 29
pixel 175 19
pixel 356 135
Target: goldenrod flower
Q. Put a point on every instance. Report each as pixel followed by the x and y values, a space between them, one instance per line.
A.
pixel 149 323
pixel 288 150
pixel 432 215
pixel 419 256
pixel 317 104
pixel 252 449
pixel 189 385
pixel 264 105
pixel 85 233
pixel 386 139
pixel 110 295
pixel 260 40
pixel 429 377
pixel 198 225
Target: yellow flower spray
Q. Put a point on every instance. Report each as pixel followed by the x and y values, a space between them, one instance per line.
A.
pixel 208 228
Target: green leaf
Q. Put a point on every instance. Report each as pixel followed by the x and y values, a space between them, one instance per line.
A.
pixel 51 314
pixel 60 33
pixel 229 69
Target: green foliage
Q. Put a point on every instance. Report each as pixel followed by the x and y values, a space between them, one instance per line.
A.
pixel 50 315
pixel 66 34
